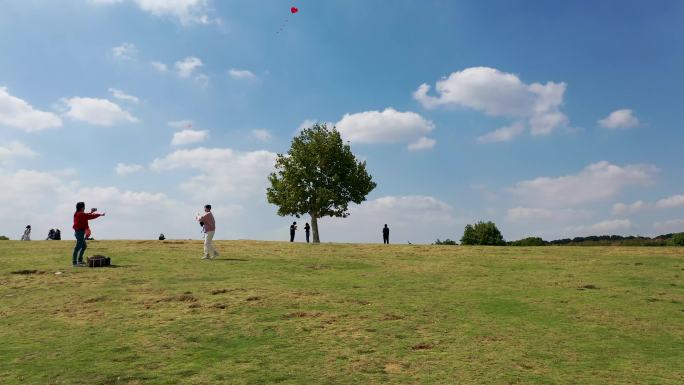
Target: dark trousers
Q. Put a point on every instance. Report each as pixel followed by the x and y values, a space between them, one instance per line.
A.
pixel 307 237
pixel 80 248
pixel 292 233
pixel 385 240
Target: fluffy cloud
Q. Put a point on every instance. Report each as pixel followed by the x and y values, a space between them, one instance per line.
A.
pixel 101 112
pixel 159 66
pixel 503 134
pixel 123 96
pixel 410 218
pixel 14 149
pixel 596 182
pixel 619 119
pixel 262 135
pixel 187 12
pixel 497 93
pixel 621 208
pixel 241 74
pixel 126 169
pixel 609 227
pixel 388 126
pixel 423 143
pixel 670 202
pixel 225 174
pixel 535 214
pixel 17 113
pixel 189 136
pixel 125 51
pixel 186 67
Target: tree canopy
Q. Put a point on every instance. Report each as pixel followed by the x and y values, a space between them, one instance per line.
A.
pixel 318 176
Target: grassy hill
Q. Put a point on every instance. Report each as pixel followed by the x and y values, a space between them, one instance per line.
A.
pixel 268 312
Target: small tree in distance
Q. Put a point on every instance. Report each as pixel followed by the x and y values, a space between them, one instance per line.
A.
pixel 319 176
pixel 678 239
pixel 482 233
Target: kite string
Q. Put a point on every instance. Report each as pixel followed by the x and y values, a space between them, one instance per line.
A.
pixel 282 26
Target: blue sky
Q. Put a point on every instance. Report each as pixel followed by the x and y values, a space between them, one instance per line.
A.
pixel 551 118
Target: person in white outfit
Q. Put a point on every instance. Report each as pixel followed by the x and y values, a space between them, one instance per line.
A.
pixel 209 228
pixel 27 234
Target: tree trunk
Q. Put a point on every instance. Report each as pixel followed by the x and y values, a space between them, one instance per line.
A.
pixel 314 227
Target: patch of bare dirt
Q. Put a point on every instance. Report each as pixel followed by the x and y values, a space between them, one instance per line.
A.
pixel 302 314
pixel 391 317
pixel 422 346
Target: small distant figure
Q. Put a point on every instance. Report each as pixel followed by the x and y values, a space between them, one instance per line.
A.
pixel 307 231
pixel 385 235
pixel 51 235
pixel 293 229
pixel 162 237
pixel 27 233
pixel 209 228
pixel 58 235
pixel 80 227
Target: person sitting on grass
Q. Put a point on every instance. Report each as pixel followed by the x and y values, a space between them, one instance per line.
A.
pixel 81 219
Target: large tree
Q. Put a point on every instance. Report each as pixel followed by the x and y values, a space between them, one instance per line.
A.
pixel 319 176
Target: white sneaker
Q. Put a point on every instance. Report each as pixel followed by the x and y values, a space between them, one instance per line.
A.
pixel 206 257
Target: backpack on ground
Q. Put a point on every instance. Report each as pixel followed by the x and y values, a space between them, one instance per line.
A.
pixel 98 261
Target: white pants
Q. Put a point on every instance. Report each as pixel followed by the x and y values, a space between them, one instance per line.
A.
pixel 209 250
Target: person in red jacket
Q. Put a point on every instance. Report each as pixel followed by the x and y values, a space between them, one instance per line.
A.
pixel 81 219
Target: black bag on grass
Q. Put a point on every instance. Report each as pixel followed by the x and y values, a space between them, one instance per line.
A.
pixel 98 261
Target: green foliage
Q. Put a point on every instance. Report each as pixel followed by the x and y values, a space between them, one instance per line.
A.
pixel 3 238
pixel 445 242
pixel 319 176
pixel 529 241
pixel 482 233
pixel 678 239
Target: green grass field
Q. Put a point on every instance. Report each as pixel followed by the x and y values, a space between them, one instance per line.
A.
pixel 269 312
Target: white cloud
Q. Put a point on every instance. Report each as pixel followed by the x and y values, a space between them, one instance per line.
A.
pixel 123 96
pixel 12 150
pixel 17 113
pixel 621 208
pixel 388 126
pixel 308 123
pixel 262 135
pixel 496 93
pixel 186 67
pixel 423 143
pixel 126 169
pixel 503 134
pixel 225 174
pixel 159 66
pixel 671 202
pixel 596 182
pixel 187 12
pixel 534 214
pixel 410 218
pixel 619 119
pixel 609 227
pixel 101 112
pixel 125 51
pixel 669 226
pixel 189 136
pixel 241 74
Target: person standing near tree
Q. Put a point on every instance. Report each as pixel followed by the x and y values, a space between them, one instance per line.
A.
pixel 293 229
pixel 385 235
pixel 81 219
pixel 209 228
pixel 307 231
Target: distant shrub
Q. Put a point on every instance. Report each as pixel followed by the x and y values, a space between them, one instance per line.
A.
pixel 678 239
pixel 482 233
pixel 530 241
pixel 446 242
pixel 3 238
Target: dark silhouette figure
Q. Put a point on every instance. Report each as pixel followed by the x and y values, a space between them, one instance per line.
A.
pixel 162 237
pixel 385 235
pixel 51 235
pixel 293 229
pixel 307 229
